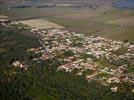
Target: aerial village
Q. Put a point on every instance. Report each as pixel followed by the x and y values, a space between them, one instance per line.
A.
pixel 102 59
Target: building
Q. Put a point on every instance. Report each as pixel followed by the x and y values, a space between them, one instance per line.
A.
pixel 4 19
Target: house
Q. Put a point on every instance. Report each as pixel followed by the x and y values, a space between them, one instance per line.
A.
pixel 114 89
pixel 4 19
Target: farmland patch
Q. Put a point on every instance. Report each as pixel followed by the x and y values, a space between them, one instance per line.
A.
pixel 40 24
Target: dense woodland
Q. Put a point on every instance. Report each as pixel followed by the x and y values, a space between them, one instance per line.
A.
pixel 42 81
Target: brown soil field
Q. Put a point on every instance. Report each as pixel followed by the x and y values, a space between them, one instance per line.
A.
pixel 40 24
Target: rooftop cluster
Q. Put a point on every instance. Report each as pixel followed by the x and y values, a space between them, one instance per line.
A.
pixel 107 61
pixel 101 59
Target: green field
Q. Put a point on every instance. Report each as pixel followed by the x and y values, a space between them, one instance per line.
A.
pixel 87 21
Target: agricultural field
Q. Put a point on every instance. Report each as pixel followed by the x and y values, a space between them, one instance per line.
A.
pixel 123 21
pixel 81 14
pixel 105 21
pixel 40 24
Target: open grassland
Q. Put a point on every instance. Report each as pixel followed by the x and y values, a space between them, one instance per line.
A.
pixel 105 21
pixel 123 21
pixel 81 14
